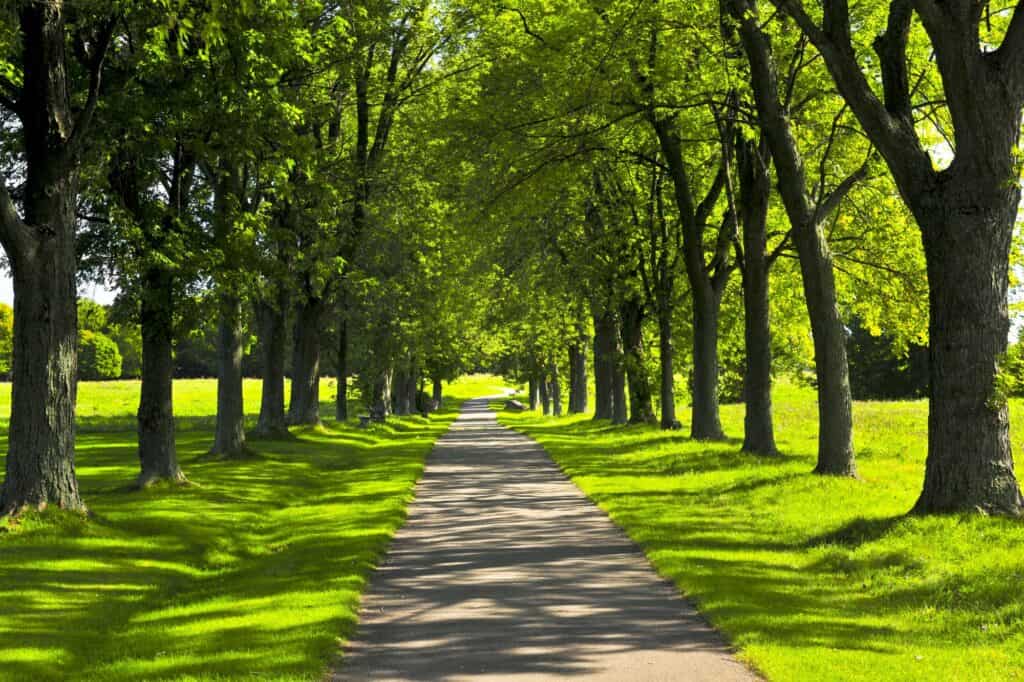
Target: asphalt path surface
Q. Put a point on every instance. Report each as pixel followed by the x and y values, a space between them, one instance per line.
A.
pixel 504 570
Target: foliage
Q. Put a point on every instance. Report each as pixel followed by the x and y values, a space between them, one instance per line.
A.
pixel 879 372
pixel 98 356
pixel 6 338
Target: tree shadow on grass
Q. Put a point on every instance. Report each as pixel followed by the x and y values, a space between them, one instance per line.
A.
pixel 256 569
pixel 857 532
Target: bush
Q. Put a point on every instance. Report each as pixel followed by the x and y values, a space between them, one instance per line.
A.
pixel 98 357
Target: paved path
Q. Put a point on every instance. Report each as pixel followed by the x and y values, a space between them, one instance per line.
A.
pixel 505 571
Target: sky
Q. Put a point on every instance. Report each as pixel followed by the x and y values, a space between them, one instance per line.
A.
pixel 94 291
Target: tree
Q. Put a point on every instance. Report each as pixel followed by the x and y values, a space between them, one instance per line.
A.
pixel 98 356
pixel 966 212
pixel 40 241
pixel 807 215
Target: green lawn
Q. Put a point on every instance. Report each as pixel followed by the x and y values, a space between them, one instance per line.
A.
pixel 253 571
pixel 813 578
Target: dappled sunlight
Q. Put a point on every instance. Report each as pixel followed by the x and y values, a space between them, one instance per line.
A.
pixel 255 568
pixel 812 577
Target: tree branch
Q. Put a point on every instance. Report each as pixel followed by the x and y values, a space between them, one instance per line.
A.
pixel 1010 55
pixel 891 48
pixel 96 58
pixel 15 235
pixel 526 25
pixel 836 196
pixel 895 137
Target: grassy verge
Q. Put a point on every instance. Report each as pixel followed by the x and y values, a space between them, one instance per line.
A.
pixel 812 578
pixel 254 571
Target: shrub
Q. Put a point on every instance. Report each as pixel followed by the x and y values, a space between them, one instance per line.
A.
pixel 98 357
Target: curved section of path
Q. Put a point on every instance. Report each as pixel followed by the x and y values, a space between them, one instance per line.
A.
pixel 504 570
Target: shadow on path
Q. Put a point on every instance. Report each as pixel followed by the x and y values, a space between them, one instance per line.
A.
pixel 504 570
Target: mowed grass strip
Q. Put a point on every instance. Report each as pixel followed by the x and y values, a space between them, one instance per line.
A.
pixel 253 571
pixel 812 578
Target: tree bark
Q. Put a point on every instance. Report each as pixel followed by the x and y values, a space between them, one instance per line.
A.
pixel 40 465
pixel 706 424
pixel 969 465
pixel 556 390
pixel 578 376
pixel 605 335
pixel 41 457
pixel 412 389
pixel 534 389
pixel 573 352
pixel 619 406
pixel 272 422
pixel 545 395
pixel 341 401
pixel 835 415
pixel 640 397
pixel 755 191
pixel 304 406
pixel 158 457
pixel 401 394
pixel 668 379
pixel 438 393
pixel 229 437
pixel 380 400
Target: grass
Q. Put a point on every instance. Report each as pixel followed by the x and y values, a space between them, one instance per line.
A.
pixel 812 578
pixel 254 571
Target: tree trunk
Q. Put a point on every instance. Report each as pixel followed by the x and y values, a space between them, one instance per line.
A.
pixel 272 423
pixel 668 379
pixel 754 195
pixel 573 352
pixel 438 394
pixel 380 403
pixel 401 394
pixel 545 395
pixel 970 464
pixel 341 401
pixel 705 424
pixel 605 342
pixel 556 390
pixel 41 455
pixel 835 425
pixel 304 407
pixel 835 415
pixel 640 398
pixel 412 390
pixel 40 465
pixel 158 457
pixel 619 407
pixel 534 389
pixel 578 377
pixel 229 437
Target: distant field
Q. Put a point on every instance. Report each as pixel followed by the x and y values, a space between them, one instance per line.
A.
pixel 252 572
pixel 813 578
pixel 111 405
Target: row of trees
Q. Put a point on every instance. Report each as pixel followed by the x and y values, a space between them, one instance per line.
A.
pixel 257 164
pixel 412 185
pixel 686 154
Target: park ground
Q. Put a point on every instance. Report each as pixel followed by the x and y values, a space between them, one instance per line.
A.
pixel 812 578
pixel 256 569
pixel 253 571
